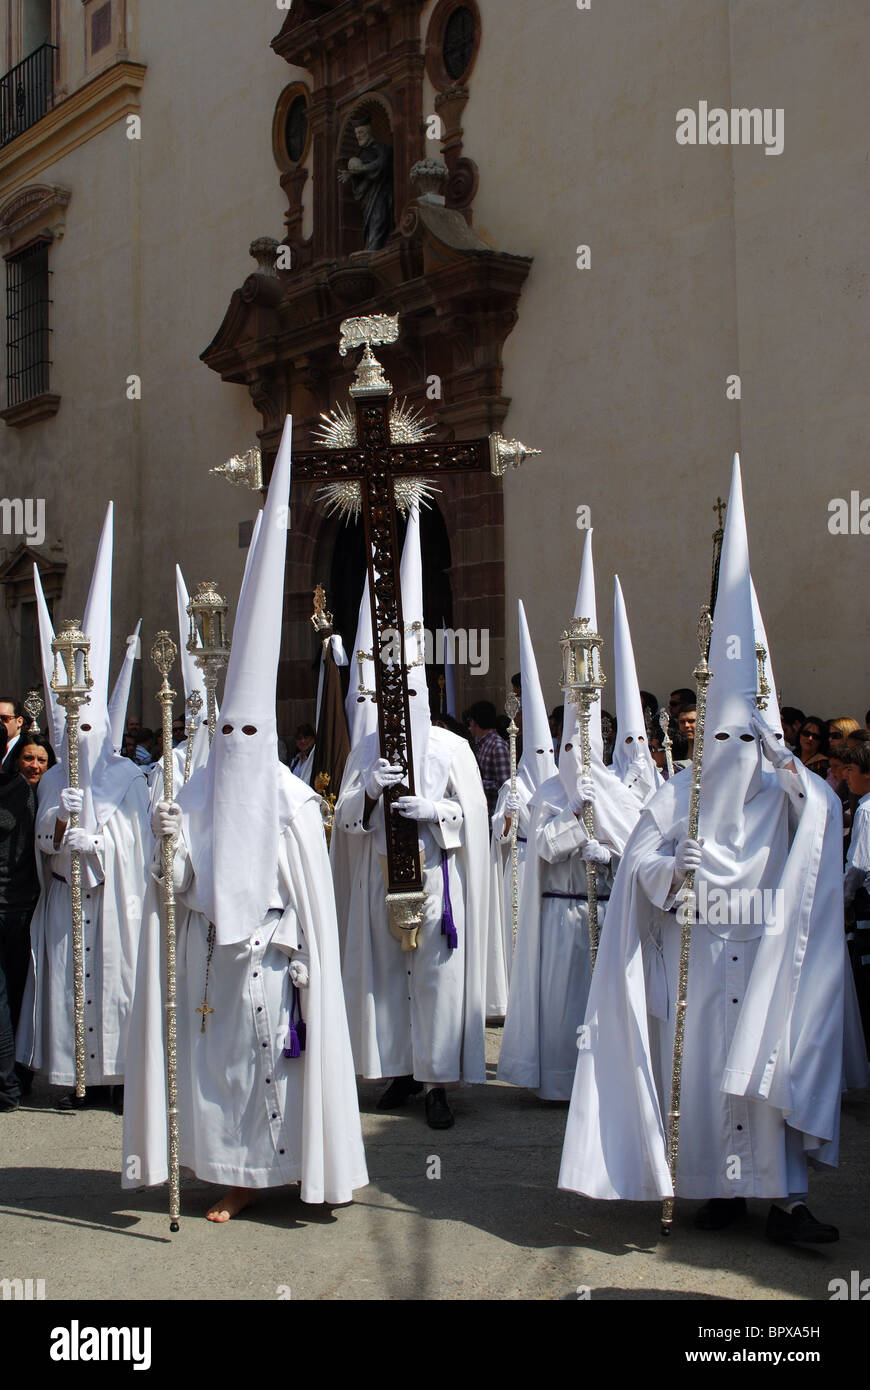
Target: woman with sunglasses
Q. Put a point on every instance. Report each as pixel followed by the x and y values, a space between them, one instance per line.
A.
pixel 813 745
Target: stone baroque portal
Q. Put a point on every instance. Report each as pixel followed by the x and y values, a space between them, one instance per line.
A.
pixel 456 295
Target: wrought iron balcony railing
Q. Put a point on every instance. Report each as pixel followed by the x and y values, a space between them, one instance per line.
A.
pixel 26 93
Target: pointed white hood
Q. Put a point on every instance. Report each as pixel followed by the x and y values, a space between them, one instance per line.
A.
pixel 632 760
pixel 538 763
pixel 191 674
pixel 231 807
pixel 55 718
pixel 411 581
pixel 104 777
pixel 570 760
pixel 732 758
pixel 361 710
pixel 120 697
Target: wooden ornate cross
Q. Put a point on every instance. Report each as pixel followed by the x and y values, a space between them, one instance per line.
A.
pixel 368 472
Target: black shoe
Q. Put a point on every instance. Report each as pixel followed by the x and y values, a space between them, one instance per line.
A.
pixel 117 1099
pixel 399 1092
pixel 799 1224
pixel 438 1112
pixel 8 1106
pixel 71 1102
pixel 720 1212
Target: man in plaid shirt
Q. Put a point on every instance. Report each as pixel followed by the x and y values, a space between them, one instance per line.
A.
pixel 490 749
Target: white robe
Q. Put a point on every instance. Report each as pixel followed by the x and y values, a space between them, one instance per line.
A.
pixel 552 968
pixel 248 1115
pixel 770 1024
pixel 113 889
pixel 420 1012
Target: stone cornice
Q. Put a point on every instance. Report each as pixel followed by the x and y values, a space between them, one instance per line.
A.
pixel 107 98
pixel 44 204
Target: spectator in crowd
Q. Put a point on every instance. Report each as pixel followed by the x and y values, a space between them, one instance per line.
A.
pixel 838 729
pixel 813 750
pixel 679 698
pixel 177 729
pixel 686 720
pixel 657 750
pixel 792 721
pixel 490 749
pixel 12 719
pixel 857 737
pixel 305 738
pixel 143 752
pixel 35 757
pixel 19 891
pixel 839 785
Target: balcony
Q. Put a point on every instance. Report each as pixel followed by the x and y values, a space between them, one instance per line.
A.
pixel 26 93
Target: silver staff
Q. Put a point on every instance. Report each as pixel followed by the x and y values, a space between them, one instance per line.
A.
pixel 163 654
pixel 582 681
pixel 667 741
pixel 703 676
pixel 511 709
pixel 71 682
pixel 192 707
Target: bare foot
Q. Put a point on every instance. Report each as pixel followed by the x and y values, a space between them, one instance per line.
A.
pixel 230 1204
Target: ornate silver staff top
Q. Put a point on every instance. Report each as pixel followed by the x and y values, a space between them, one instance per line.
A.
pixel 33 706
pixel 207 640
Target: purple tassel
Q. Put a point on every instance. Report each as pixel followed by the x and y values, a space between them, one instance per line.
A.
pixel 294 1044
pixel 448 926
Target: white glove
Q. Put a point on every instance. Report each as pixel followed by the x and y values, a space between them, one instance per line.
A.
pixel 594 852
pixel 382 774
pixel 512 803
pixel 774 749
pixel 687 857
pixel 585 792
pixel 72 799
pixel 299 974
pixel 166 819
pixel 415 808
pixel 83 841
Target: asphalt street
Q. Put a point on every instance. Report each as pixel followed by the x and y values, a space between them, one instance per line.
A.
pixel 470 1213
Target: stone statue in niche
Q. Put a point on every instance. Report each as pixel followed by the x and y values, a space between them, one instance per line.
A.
pixel 370 174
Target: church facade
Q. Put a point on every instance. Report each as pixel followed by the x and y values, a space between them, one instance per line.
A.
pixel 189 209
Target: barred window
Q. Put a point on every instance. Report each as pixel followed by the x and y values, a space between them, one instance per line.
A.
pixel 27 330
